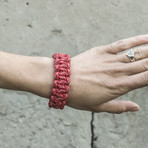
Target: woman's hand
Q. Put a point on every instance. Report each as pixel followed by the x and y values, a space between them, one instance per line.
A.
pixel 100 75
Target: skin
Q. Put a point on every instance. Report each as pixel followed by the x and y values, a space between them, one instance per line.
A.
pixel 98 76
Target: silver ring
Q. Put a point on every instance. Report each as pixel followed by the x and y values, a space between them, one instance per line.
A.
pixel 131 55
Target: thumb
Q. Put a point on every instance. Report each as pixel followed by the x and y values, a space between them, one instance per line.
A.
pixel 118 106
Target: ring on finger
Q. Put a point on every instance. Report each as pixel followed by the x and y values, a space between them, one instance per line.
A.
pixel 131 55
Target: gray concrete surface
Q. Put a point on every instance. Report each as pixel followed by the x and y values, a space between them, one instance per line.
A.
pixel 43 27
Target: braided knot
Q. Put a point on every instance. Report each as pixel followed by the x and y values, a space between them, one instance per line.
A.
pixel 61 82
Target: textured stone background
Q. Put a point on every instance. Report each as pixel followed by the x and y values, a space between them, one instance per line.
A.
pixel 43 27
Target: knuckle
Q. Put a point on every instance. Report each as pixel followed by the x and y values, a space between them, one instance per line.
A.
pixel 122 109
pixel 145 78
pixel 114 71
pixel 118 84
pixel 144 65
pixel 122 43
pixel 97 50
pixel 117 87
pixel 139 53
pixel 118 70
pixel 137 38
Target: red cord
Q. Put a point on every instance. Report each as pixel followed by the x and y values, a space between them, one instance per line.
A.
pixel 61 82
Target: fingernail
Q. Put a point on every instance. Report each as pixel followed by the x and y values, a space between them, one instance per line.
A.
pixel 136 108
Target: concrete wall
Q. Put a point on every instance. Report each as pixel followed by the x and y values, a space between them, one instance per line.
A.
pixel 43 27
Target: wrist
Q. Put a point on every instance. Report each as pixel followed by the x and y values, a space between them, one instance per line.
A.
pixel 43 76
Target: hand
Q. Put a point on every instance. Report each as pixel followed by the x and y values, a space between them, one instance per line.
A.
pixel 100 75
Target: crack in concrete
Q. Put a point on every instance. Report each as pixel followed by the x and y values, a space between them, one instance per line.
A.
pixel 92 130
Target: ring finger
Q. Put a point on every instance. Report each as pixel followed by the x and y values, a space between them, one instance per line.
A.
pixel 139 54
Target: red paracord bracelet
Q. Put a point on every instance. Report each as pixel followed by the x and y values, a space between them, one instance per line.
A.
pixel 61 82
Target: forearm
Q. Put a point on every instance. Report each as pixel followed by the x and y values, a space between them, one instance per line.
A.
pixel 26 73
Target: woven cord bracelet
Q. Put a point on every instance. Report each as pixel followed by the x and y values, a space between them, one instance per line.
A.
pixel 61 82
